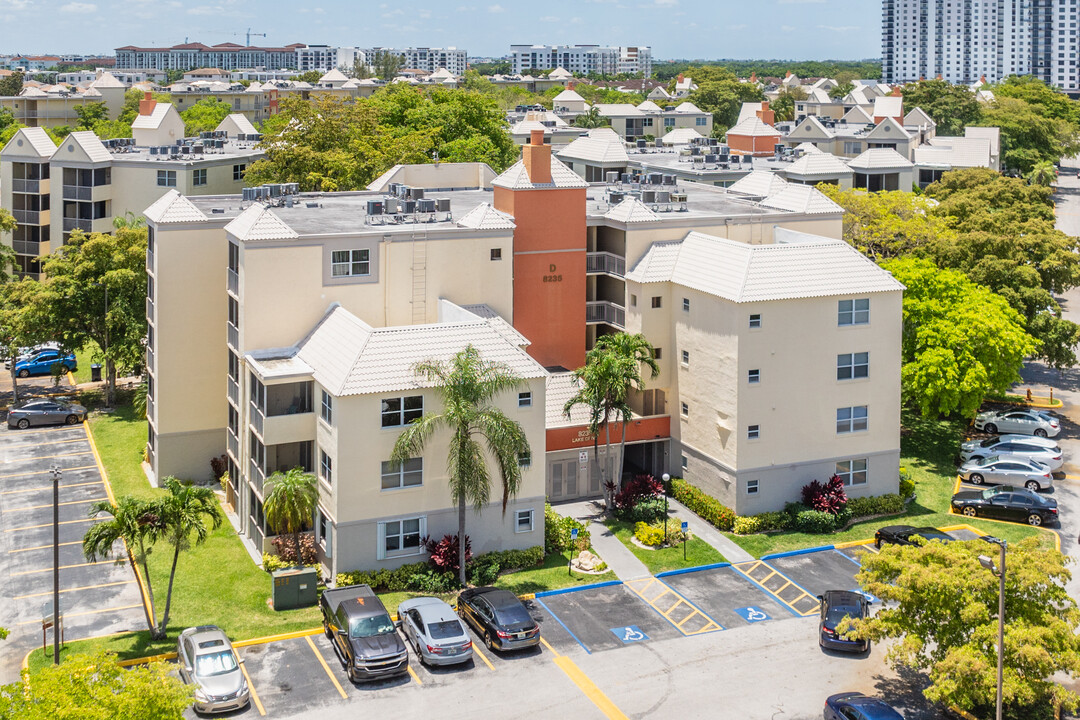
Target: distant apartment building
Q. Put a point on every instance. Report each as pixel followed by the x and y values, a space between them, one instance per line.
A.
pixel 326 57
pixel 427 58
pixel 963 41
pixel 85 183
pixel 585 59
pixel 227 56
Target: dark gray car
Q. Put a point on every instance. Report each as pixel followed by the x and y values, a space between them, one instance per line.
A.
pixel 44 411
pixel 208 661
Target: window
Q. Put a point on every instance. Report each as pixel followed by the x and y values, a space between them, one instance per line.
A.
pixel 755 321
pixel 852 365
pixel 852 148
pixel 656 302
pixel 686 304
pixel 401 411
pixel 852 472
pixel 238 172
pixel 496 253
pixel 854 312
pixel 751 487
pixel 326 470
pixel 327 412
pixel 657 353
pixel 851 419
pixel 166 178
pixel 701 122
pixel 524 399
pixel 523 521
pixel 685 410
pixel 325 530
pixel 753 376
pixel 685 462
pixel 350 263
pixel 686 357
pixel 669 122
pixel 633 300
pixel 753 432
pixel 401 537
pixel 402 475
pixel 525 460
pixel 198 177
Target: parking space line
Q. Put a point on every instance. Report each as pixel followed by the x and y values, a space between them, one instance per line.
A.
pixel 46 472
pixel 49 505
pixel 640 587
pixel 33 527
pixel 80 614
pixel 415 676
pixel 251 689
pixel 847 557
pixel 329 674
pixel 54 442
pixel 118 561
pixel 49 487
pixel 559 620
pixel 748 573
pixel 75 589
pixel 483 657
pixel 587 686
pixel 44 547
pixel 49 457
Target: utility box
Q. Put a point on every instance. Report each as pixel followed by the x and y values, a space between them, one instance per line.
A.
pixel 295 588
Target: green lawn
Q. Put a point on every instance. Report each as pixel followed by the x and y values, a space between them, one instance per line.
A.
pixel 552 575
pixel 928 449
pixel 698 552
pixel 83 359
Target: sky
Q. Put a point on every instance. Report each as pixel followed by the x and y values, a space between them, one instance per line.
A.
pixel 689 29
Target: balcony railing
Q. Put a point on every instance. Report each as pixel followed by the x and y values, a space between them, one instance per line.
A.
pixel 149 406
pixel 74 192
pixel 150 358
pixel 257 419
pixel 149 260
pixel 234 393
pixel 150 309
pixel 605 262
pixel 234 282
pixel 234 336
pixel 24 247
pixel 78 224
pixel 602 311
pixel 26 186
pixel 234 444
pixel 30 217
pixel 256 476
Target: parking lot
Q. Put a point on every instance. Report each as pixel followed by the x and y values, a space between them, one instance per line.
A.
pixel 95 598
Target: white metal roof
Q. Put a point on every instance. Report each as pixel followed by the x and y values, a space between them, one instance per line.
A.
pixel 349 357
pixel 748 110
pixel 517 178
pixel 687 107
pixel 955 151
pixel 598 148
pixel 818 164
pixel 759 183
pixel 889 106
pixel 754 127
pixel 259 222
pixel 172 207
pixel 560 387
pixel 681 136
pixel 797 266
pixel 107 80
pixel 333 76
pixel 30 142
pixel 90 145
pixel 879 159
pixel 808 147
pixel 154 119
pixel 568 95
pixel 617 110
pixel 631 210
pixel 485 217
pixel 650 106
pixel 805 199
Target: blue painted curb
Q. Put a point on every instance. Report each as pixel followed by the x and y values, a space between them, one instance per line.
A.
pixel 790 553
pixel 563 591
pixel 699 568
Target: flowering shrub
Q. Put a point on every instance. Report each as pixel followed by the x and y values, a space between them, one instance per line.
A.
pixel 829 498
pixel 641 487
pixel 286 549
pixel 443 554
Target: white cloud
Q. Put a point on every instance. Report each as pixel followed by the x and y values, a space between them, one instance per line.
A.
pixel 79 8
pixel 666 2
pixel 787 28
pixel 207 10
pixel 495 8
pixel 465 8
pixel 14 4
pixel 424 14
pixel 839 28
pixel 801 2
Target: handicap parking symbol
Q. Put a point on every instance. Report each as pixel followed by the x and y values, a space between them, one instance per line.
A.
pixel 869 598
pixel 752 614
pixel 629 634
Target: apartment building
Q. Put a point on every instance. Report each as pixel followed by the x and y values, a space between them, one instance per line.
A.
pixel 326 57
pixel 583 59
pixel 429 59
pixel 55 105
pixel 88 183
pixel 227 56
pixel 964 40
pixel 633 122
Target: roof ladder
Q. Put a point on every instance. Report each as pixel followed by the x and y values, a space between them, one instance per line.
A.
pixel 419 281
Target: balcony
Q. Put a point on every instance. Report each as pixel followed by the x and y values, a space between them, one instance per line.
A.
pixel 234 282
pixel 150 309
pixel 234 336
pixel 256 476
pixel 280 429
pixel 258 420
pixel 602 311
pixel 150 358
pixel 32 187
pixel 234 444
pixel 605 263
pixel 149 406
pixel 234 393
pixel 78 224
pixel 73 192
pixel 27 217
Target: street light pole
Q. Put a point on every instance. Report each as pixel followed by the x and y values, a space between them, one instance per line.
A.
pixel 56 475
pixel 666 479
pixel 999 571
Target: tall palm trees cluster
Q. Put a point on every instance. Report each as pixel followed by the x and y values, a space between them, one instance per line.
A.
pixel 612 370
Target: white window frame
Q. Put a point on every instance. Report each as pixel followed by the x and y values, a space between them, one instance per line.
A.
pixel 850 364
pixel 755 321
pixel 524 399
pixel 326 408
pixel 656 301
pixel 686 304
pixel 519 515
pixel 850 470
pixel 326 468
pixel 325 528
pixel 198 177
pixel 381 551
pixel 852 419
pixel 752 487
pixel 753 376
pixel 855 311
pixel 347 267
pixel 753 432
pixel 399 474
pixel 685 462
pixel 401 411
pixel 166 178
pixel 686 358
pixel 685 409
pixel 238 172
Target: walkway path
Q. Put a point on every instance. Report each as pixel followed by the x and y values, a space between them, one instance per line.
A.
pixel 618 557
pixel 731 552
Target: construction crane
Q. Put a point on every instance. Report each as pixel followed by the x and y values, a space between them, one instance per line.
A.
pixel 249 34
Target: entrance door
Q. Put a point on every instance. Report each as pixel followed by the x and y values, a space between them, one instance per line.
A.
pixel 562 480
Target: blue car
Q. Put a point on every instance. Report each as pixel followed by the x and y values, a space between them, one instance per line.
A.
pixel 42 362
pixel 856 706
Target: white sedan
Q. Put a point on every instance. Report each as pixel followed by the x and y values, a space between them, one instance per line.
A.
pixel 1020 422
pixel 1029 447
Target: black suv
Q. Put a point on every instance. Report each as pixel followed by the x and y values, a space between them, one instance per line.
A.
pixel 835 606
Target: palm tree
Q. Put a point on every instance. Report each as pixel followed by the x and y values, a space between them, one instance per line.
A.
pixel 1043 174
pixel 138 523
pixel 290 503
pixel 466 385
pixel 632 350
pixel 597 390
pixel 184 512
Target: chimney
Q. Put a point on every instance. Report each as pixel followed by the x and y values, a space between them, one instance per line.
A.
pixel 753 77
pixel 787 74
pixel 680 77
pixel 147 104
pixel 897 92
pixel 537 158
pixel 982 79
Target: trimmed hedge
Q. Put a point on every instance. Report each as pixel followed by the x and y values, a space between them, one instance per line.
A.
pixel 557 533
pixel 888 504
pixel 421 577
pixel 653 535
pixel 705 506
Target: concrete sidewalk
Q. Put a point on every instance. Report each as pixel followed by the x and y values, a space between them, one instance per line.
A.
pixel 701 529
pixel 610 549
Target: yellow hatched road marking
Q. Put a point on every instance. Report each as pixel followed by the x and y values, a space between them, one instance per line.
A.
pixel 638 587
pixel 329 674
pixel 776 593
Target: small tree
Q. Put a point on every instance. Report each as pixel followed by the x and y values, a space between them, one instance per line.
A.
pixel 291 497
pixel 184 513
pixel 591 119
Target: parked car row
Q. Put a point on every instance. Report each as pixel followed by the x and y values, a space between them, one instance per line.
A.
pixel 43 361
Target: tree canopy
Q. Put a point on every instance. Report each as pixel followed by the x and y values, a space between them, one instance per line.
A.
pixel 719 92
pixel 952 107
pixel 1028 135
pixel 204 116
pixel 773 68
pixel 961 341
pixel 941 605
pixel 11 85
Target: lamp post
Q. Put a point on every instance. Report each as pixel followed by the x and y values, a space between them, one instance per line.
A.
pixel 999 571
pixel 105 350
pixel 56 475
pixel 665 478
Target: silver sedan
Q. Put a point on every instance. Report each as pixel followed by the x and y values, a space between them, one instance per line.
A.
pixel 435 631
pixel 207 661
pixel 1029 447
pixel 1007 470
pixel 1021 422
pixel 45 412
